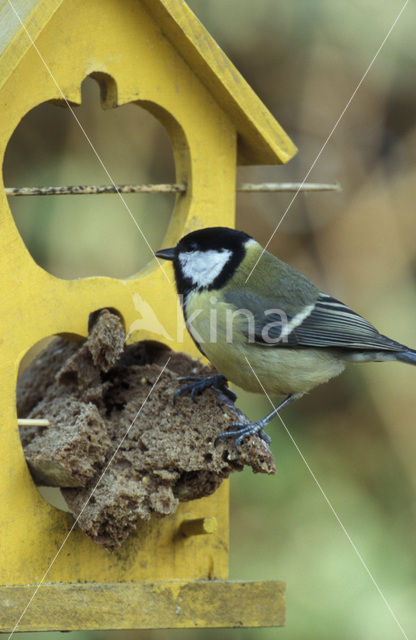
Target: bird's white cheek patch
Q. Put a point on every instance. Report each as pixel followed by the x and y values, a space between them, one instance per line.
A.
pixel 202 267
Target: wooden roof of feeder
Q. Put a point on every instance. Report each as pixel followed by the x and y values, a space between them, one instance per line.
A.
pixel 261 140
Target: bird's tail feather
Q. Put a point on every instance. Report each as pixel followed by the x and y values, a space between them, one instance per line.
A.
pixel 407 356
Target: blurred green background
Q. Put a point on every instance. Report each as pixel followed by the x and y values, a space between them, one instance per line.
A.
pixel 304 59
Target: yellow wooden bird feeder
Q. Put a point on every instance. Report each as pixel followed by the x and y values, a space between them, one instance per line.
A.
pixel 156 54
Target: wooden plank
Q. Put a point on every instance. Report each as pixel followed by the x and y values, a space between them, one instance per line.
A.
pixel 14 41
pixel 144 605
pixel 261 139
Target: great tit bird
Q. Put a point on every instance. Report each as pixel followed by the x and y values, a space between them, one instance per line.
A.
pixel 269 327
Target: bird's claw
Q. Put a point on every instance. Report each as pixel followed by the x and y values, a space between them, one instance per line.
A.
pixel 198 386
pixel 195 388
pixel 253 429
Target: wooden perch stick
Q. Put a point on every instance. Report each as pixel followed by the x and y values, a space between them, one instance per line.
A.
pixel 82 190
pixel 257 187
pixel 33 422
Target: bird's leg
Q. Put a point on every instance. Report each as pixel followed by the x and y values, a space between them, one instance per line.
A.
pixel 256 428
pixel 198 386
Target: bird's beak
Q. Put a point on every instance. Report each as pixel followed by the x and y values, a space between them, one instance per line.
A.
pixel 166 254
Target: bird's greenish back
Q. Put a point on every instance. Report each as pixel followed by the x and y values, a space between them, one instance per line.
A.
pixel 273 284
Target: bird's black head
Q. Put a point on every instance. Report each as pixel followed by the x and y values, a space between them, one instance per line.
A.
pixel 206 258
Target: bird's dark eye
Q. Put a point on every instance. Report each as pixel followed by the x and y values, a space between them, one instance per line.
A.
pixel 193 246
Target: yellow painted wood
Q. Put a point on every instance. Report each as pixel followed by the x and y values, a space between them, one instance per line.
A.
pixel 199 526
pixel 135 58
pixel 14 42
pixel 145 605
pixel 261 140
pixel 37 305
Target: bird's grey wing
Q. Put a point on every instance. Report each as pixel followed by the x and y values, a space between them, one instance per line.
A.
pixel 326 323
pixel 332 324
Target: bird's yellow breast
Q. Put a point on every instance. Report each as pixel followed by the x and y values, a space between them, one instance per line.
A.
pixel 220 331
